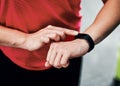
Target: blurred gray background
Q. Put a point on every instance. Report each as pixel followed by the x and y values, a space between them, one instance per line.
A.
pixel 100 64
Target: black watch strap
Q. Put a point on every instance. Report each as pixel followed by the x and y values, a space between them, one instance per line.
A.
pixel 87 38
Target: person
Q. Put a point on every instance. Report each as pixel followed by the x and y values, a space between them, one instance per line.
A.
pixel 37 40
pixel 27 29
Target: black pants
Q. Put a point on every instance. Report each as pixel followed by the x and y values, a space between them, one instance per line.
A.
pixel 12 75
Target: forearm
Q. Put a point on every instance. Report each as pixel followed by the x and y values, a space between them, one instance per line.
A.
pixel 106 21
pixel 10 37
pixel 14 38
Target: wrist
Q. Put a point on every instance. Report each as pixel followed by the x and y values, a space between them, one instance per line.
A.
pixel 87 38
pixel 18 40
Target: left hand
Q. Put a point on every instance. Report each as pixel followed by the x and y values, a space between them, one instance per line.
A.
pixel 60 52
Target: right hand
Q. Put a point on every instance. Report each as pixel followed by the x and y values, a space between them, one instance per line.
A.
pixel 46 35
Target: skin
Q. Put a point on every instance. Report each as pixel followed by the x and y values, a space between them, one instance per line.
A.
pixel 39 38
pixel 106 21
pixel 60 52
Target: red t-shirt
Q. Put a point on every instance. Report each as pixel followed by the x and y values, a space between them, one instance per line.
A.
pixel 30 16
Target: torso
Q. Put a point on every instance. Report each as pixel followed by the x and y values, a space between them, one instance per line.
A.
pixel 32 15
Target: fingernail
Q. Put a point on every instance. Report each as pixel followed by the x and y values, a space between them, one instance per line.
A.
pixel 66 65
pixel 75 32
pixel 47 64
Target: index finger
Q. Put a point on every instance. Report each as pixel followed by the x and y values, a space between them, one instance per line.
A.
pixel 66 31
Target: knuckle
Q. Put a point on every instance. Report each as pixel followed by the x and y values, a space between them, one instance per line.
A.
pixel 55 35
pixel 62 33
pixel 56 65
pixel 41 38
pixel 30 49
pixel 51 63
pixel 46 40
pixel 63 62
pixel 49 26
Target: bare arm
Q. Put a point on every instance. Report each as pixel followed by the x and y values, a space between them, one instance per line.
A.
pixel 10 37
pixel 14 38
pixel 106 21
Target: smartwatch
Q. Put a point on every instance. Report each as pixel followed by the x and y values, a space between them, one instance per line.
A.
pixel 87 38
